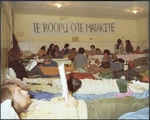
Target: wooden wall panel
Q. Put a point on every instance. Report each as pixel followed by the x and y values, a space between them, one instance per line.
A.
pixel 6 36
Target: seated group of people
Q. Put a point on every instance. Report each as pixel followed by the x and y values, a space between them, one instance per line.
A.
pixel 54 51
pixel 128 49
pixel 79 59
pixel 80 62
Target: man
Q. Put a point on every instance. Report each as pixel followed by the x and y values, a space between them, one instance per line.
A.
pixel 19 97
pixel 57 108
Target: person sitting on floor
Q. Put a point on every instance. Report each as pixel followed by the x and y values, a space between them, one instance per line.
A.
pixel 50 50
pixel 119 48
pixel 137 51
pixel 42 52
pixel 93 50
pixel 80 60
pixel 15 62
pixel 106 59
pixel 66 49
pixel 98 51
pixel 58 53
pixel 129 47
pixel 72 54
pixel 48 61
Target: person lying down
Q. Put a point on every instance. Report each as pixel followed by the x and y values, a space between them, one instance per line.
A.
pixel 17 99
pixel 56 108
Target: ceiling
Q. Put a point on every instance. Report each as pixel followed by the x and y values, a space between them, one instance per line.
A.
pixel 95 9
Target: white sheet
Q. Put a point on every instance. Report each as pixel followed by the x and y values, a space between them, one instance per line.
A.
pixel 98 86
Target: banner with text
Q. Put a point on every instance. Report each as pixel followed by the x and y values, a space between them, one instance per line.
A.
pixel 56 28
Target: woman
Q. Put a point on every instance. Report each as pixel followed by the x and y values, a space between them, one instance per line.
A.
pixel 42 52
pixel 106 59
pixel 57 53
pixel 50 50
pixel 80 60
pixel 119 48
pixel 14 62
pixel 98 51
pixel 92 51
pixel 129 47
pixel 66 50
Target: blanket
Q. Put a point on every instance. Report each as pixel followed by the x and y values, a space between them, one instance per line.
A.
pixel 55 109
pixel 54 70
pixel 112 108
pixel 140 114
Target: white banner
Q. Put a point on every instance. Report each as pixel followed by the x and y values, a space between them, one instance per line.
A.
pixel 56 28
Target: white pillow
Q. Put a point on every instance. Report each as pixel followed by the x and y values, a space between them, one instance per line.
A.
pixel 7 111
pixel 12 73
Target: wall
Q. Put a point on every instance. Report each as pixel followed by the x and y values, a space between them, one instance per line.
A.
pixel 6 36
pixel 143 32
pixel 125 29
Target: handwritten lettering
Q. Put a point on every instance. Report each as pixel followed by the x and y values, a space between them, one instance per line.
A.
pixel 72 28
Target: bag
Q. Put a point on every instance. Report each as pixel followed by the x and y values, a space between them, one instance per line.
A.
pixel 105 64
pixel 116 66
pixel 129 74
pixel 131 64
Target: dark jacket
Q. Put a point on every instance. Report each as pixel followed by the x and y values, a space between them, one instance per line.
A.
pixel 129 48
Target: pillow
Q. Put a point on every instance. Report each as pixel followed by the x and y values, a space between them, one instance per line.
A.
pixel 7 111
pixel 11 72
pixel 12 75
